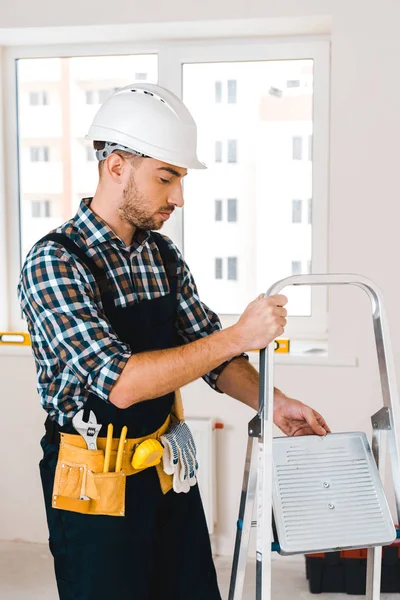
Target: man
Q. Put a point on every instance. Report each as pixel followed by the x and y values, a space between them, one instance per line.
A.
pixel 117 327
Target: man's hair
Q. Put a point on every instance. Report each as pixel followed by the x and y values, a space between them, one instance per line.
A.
pixel 135 160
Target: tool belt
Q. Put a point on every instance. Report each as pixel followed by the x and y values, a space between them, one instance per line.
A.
pixel 80 485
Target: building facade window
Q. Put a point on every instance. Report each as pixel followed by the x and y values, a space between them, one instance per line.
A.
pixel 218 152
pixel 296 267
pixel 297 147
pixel 297 211
pixel 98 96
pixel 218 268
pixel 218 92
pixel 41 209
pixel 232 268
pixel 293 83
pixel 38 98
pixel 232 210
pixel 232 91
pixel 218 210
pixel 39 153
pixel 232 151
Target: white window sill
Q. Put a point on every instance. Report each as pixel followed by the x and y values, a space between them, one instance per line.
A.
pixel 302 353
pixel 308 352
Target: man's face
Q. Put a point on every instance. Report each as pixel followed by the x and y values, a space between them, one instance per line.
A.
pixel 153 191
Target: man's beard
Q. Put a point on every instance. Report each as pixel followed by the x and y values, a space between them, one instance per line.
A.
pixel 135 208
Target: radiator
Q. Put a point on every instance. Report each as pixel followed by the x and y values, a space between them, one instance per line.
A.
pixel 204 436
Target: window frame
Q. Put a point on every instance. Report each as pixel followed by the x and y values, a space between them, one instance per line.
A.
pixel 172 55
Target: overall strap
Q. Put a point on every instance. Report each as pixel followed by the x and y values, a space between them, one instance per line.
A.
pixel 169 259
pixel 98 273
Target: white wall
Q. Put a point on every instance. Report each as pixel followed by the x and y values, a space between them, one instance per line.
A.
pixel 363 234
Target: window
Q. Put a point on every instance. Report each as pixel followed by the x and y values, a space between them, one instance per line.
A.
pixel 310 211
pixel 296 267
pixel 90 154
pixel 39 153
pixel 218 268
pixel 78 85
pixel 264 137
pixel 232 91
pixel 218 210
pixel 297 145
pixel 140 76
pixel 297 211
pixel 41 209
pixel 276 215
pixel 38 98
pixel 218 92
pixel 310 148
pixel 218 151
pixel 232 267
pixel 232 210
pixel 232 151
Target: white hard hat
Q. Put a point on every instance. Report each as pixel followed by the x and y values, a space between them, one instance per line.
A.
pixel 150 121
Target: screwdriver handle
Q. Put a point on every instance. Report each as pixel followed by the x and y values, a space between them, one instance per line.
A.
pixel 107 455
pixel 121 448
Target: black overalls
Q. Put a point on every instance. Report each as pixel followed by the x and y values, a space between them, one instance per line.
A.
pixel 161 549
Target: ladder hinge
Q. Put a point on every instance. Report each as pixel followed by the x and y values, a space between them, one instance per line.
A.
pixel 255 427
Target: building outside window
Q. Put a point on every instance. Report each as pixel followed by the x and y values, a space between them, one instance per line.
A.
pixel 232 151
pixel 232 210
pixel 218 92
pixel 296 267
pixel 232 91
pixel 232 267
pixel 297 147
pixel 39 153
pixel 218 210
pixel 218 268
pixel 38 98
pixel 297 211
pixel 218 152
pixel 41 209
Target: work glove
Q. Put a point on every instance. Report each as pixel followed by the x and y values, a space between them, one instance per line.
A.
pixel 179 458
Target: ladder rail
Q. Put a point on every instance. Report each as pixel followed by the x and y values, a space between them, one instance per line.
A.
pixel 244 522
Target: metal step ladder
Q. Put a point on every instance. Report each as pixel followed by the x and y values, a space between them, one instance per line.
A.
pixel 325 494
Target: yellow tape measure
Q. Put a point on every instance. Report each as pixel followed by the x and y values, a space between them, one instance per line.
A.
pixel 14 338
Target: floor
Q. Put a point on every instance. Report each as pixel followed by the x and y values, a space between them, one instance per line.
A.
pixel 26 573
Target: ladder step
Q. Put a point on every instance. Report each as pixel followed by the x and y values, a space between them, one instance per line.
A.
pixel 327 494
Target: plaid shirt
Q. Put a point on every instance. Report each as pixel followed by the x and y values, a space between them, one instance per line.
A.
pixel 75 349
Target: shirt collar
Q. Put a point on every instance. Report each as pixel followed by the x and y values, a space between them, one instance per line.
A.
pixel 96 231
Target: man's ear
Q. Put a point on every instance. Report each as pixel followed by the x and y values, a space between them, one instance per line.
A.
pixel 115 166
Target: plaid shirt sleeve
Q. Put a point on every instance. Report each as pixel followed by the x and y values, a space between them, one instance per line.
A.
pixel 59 303
pixel 194 318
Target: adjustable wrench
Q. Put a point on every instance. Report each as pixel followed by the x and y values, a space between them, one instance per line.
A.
pixel 89 431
